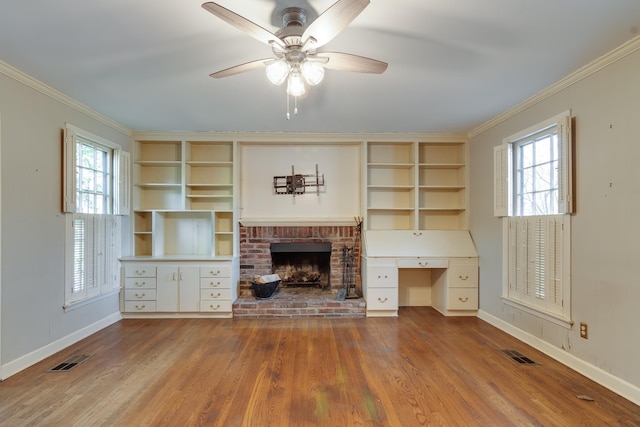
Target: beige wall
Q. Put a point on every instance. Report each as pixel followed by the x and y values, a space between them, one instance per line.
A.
pixel 33 323
pixel 605 229
pixel 339 197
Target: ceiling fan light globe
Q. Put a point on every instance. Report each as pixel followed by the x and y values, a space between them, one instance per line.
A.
pixel 295 85
pixel 313 72
pixel 277 72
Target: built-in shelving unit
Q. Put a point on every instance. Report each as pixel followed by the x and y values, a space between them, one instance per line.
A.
pixel 416 185
pixel 185 256
pixel 183 198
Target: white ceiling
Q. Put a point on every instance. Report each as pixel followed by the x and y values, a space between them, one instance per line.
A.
pixel 453 64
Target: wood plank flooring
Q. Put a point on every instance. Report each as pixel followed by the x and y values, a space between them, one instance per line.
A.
pixel 415 370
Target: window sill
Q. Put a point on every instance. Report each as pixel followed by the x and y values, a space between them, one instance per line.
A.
pixel 558 320
pixel 79 304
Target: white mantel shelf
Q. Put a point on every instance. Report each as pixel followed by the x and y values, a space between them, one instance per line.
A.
pixel 296 222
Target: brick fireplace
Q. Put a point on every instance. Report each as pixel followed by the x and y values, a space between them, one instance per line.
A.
pixel 256 259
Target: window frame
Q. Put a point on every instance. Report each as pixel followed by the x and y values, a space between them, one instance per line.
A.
pixel 101 232
pixel 538 254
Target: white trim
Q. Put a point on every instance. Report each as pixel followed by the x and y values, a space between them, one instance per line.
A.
pixel 554 121
pixel 42 353
pixel 29 81
pixel 76 305
pixel 620 52
pixel 560 321
pixel 613 383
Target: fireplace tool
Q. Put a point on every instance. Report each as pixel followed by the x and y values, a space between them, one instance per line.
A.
pixel 349 267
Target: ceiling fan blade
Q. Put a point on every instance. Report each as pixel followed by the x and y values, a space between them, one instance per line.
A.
pixel 248 66
pixel 243 24
pixel 333 20
pixel 348 62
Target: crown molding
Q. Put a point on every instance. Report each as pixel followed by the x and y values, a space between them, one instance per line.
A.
pixel 609 58
pixel 29 81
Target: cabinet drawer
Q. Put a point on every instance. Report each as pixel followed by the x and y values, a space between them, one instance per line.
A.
pixel 463 299
pixel 215 283
pixel 139 283
pixel 215 294
pixel 223 306
pixel 140 294
pixel 382 299
pixel 422 263
pixel 139 306
pixel 140 270
pixel 463 276
pixel 222 270
pixel 382 276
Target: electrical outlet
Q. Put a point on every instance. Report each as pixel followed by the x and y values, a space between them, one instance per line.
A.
pixel 584 330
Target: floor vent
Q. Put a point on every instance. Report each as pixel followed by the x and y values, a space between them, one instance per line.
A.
pixel 518 357
pixel 70 363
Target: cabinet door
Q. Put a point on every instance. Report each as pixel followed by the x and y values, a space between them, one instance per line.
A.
pixel 167 289
pixel 189 288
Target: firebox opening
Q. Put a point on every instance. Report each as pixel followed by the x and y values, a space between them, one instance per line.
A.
pixel 302 264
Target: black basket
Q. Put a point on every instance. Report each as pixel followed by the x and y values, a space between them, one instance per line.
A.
pixel 264 290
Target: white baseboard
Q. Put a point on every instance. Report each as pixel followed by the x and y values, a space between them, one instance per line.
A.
pixel 42 353
pixel 613 383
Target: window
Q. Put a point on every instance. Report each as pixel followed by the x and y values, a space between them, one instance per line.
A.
pixel 536 173
pixel 93 177
pixel 95 193
pixel 533 195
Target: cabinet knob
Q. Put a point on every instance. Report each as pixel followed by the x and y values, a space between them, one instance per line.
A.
pixel 382 300
pixel 380 277
pixel 417 234
pixel 216 295
pixel 214 284
pixel 213 273
pixel 140 272
pixel 463 277
pixel 140 283
pixel 140 307
pixel 140 295
pixel 217 307
pixel 423 264
pixel 465 299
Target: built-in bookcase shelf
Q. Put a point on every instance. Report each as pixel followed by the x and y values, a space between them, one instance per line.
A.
pixel 184 198
pixel 416 185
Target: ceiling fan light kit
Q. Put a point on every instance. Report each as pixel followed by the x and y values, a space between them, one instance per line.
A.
pixel 297 60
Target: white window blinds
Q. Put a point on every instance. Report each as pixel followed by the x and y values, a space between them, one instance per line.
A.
pixel 538 262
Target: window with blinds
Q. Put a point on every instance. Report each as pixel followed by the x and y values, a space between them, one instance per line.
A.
pixel 533 194
pixel 95 181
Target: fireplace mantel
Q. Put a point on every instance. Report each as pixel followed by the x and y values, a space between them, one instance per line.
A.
pixel 296 222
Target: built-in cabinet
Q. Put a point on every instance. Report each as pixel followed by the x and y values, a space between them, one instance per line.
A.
pixel 187 287
pixel 184 226
pixel 416 185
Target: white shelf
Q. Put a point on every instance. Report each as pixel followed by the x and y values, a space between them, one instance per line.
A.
pixel 416 185
pixel 184 199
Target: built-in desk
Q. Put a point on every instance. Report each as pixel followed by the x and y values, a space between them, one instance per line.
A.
pixel 450 255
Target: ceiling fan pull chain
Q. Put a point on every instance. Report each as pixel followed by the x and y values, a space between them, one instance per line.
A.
pixel 295 105
pixel 288 115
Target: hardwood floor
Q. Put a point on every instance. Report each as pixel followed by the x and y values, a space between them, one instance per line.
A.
pixel 418 369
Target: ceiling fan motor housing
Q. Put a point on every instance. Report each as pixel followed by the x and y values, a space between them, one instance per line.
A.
pixel 294 20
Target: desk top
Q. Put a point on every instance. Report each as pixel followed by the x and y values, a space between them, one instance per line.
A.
pixel 418 243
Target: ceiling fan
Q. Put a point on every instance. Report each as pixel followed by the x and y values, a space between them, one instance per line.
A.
pixel 295 46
